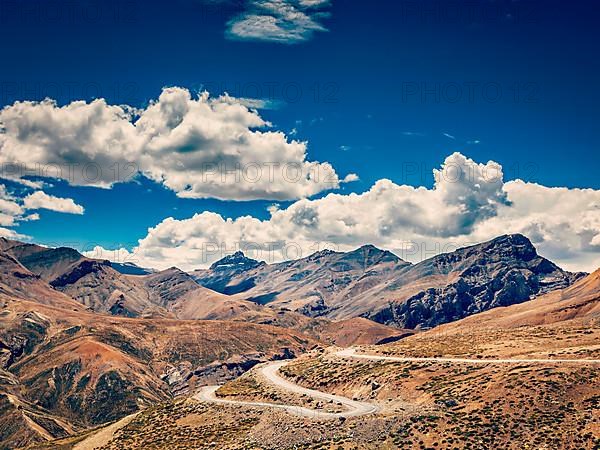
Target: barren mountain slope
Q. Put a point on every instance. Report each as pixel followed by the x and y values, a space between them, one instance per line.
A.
pixel 372 283
pixel 579 303
pixel 87 369
pixel 359 331
pixel 92 282
pixel 168 293
pixel 564 322
pixel 311 285
pixel 97 285
pixel 48 263
pixel 17 281
pixel 501 272
pixel 539 401
pixel 424 404
pixel 178 293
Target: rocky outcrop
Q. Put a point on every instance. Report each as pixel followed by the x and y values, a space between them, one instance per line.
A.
pixel 181 378
pixel 502 272
pixel 221 273
pixel 31 332
pixel 83 268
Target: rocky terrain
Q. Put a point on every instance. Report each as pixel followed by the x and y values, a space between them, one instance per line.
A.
pixel 83 344
pixel 423 404
pixel 43 274
pixel 367 282
pixel 311 285
pixel 219 275
pixel 68 370
pixel 376 284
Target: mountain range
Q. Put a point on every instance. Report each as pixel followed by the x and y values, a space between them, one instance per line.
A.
pixel 376 284
pixel 85 341
pixel 367 282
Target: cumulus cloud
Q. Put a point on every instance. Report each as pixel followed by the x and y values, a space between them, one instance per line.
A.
pixel 9 208
pixel 351 177
pixel 198 147
pixel 14 208
pixel 469 203
pixel 12 211
pixel 119 255
pixel 11 234
pixel 282 21
pixel 41 200
pixel 563 223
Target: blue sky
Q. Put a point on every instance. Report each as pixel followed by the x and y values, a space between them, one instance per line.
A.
pixel 385 90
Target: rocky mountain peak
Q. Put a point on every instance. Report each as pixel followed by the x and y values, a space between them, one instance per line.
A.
pixel 515 245
pixel 236 261
pixel 501 272
pixel 507 249
pixel 172 275
pixel 373 255
pixel 321 254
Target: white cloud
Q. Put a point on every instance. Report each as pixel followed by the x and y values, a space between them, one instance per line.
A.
pixel 10 209
pixel 119 255
pixel 6 220
pixel 31 217
pixel 13 209
pixel 41 200
pixel 469 203
pixel 11 234
pixel 11 212
pixel 257 103
pixel 83 143
pixel 350 178
pixel 563 223
pixel 282 21
pixel 27 183
pixel 198 147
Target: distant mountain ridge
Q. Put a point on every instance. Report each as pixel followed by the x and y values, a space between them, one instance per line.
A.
pixel 308 284
pixel 82 344
pixel 376 284
pixel 504 271
pixel 97 285
pixel 367 282
pixel 128 268
pixel 64 277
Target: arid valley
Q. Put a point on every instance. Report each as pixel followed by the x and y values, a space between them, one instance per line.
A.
pixel 299 225
pixel 94 358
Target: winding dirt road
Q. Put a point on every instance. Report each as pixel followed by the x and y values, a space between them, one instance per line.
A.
pixel 269 371
pixel 351 353
pixel 355 408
